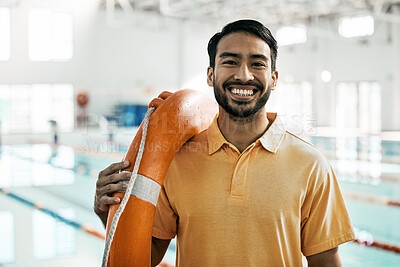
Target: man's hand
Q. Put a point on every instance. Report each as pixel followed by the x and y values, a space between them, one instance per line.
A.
pixel 156 102
pixel 106 186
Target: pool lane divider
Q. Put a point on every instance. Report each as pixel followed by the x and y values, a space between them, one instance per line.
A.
pixel 373 199
pixel 86 228
pixel 380 245
pixel 366 239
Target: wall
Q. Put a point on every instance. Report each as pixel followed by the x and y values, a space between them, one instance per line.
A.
pixel 355 59
pixel 349 60
pixel 111 63
pixel 133 62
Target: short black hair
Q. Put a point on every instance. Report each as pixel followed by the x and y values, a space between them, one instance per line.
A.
pixel 244 25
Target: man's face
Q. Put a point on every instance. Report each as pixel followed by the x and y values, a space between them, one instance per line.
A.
pixel 242 76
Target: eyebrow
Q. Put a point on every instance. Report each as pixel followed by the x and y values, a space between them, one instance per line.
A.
pixel 229 54
pixel 259 56
pixel 235 55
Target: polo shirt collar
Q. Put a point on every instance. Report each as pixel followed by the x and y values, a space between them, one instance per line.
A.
pixel 215 138
pixel 271 139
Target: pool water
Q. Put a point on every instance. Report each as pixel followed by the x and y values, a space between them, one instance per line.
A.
pixel 62 179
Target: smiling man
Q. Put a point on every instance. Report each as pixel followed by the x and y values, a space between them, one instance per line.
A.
pixel 244 192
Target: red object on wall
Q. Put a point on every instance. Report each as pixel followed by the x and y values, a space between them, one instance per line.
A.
pixel 82 98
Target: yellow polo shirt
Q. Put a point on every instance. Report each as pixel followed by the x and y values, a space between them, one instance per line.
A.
pixel 266 206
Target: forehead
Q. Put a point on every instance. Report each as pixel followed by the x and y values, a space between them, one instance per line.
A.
pixel 243 43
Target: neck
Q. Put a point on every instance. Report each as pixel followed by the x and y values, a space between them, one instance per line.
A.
pixel 241 132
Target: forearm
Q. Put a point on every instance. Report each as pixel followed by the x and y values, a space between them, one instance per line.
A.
pixel 158 249
pixel 329 258
pixel 103 217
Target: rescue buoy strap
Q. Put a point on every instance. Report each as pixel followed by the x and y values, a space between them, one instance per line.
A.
pixel 145 188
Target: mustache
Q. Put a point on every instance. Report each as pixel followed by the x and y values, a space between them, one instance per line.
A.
pixel 249 83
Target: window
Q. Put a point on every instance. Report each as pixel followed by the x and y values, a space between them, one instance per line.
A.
pixel 346 105
pixel 293 101
pixel 291 35
pixel 358 106
pixel 28 108
pixel 50 35
pixel 5 36
pixel 358 26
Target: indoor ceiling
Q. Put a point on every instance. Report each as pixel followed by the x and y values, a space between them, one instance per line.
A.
pixel 269 11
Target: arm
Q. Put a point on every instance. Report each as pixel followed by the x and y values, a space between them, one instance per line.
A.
pixel 106 186
pixel 158 249
pixel 329 258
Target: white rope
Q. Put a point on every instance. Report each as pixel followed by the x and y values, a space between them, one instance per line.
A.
pixel 128 191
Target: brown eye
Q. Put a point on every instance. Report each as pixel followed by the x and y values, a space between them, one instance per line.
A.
pixel 229 62
pixel 259 64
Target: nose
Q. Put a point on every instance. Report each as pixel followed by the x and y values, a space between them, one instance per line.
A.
pixel 243 73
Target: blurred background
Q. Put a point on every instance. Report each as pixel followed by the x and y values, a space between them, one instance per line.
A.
pixel 76 78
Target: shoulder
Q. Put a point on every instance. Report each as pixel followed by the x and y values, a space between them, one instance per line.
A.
pixel 198 144
pixel 191 151
pixel 298 147
pixel 304 157
pixel 191 155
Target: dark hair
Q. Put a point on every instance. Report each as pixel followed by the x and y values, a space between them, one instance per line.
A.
pixel 245 25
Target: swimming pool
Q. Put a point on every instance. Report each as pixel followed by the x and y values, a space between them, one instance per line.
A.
pixel 62 180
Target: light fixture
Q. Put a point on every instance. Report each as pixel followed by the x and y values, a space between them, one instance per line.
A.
pixel 326 76
pixel 356 26
pixel 288 35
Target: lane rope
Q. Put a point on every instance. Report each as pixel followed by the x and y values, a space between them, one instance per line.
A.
pixel 76 225
pixel 365 238
pixel 84 227
pixel 373 199
pixel 362 237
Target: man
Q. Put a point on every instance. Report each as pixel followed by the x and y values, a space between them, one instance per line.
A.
pixel 245 192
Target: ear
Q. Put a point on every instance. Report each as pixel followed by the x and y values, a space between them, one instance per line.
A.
pixel 210 76
pixel 274 77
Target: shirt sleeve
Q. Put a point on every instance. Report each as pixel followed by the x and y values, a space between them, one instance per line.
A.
pixel 165 219
pixel 325 222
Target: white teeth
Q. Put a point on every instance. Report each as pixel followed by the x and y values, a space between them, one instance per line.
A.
pixel 242 92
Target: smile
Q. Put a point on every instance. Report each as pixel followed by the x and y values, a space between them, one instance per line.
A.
pixel 242 92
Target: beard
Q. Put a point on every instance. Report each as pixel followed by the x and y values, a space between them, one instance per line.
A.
pixel 241 111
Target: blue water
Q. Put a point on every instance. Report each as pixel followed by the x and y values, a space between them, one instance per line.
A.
pixel 63 180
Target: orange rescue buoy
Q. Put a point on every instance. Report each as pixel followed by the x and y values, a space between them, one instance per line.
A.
pixel 179 118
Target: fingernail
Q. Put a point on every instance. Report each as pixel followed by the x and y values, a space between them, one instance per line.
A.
pixel 125 186
pixel 126 163
pixel 116 200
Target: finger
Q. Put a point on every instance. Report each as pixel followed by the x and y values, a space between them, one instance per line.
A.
pixel 156 102
pixel 165 95
pixel 113 168
pixel 110 189
pixel 105 201
pixel 113 178
pixel 98 207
